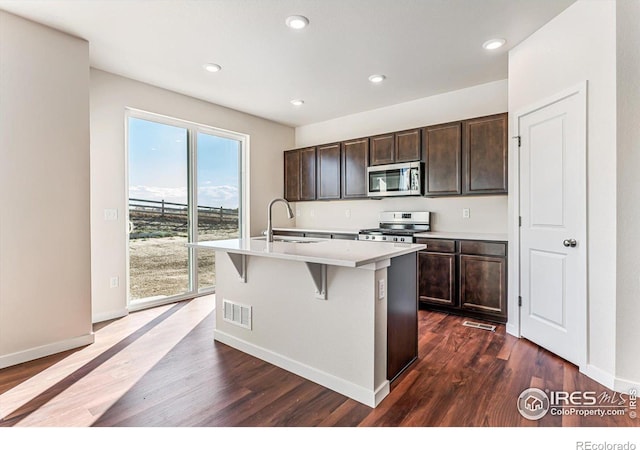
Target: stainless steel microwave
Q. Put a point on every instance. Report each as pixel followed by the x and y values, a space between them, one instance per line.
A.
pixel 395 179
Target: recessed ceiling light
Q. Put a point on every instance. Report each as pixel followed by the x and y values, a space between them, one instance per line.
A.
pixel 210 67
pixel 377 78
pixel 297 22
pixel 297 102
pixel 493 44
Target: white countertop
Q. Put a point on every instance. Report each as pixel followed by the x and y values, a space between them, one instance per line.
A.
pixel 463 235
pixel 319 230
pixel 335 252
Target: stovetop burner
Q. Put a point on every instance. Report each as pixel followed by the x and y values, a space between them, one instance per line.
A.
pixel 397 227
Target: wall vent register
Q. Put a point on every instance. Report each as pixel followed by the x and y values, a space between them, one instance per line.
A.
pixel 236 313
pixel 481 326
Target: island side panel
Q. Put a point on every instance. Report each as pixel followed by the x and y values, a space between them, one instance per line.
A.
pixel 402 314
pixel 343 337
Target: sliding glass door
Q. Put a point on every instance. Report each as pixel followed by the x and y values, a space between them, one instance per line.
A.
pixel 184 185
pixel 218 175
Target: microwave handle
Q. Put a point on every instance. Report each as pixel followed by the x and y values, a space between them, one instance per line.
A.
pixel 415 179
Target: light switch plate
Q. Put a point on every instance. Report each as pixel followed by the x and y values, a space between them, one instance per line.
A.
pixel 110 214
pixel 381 289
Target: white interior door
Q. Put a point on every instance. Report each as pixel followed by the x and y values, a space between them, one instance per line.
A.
pixel 553 250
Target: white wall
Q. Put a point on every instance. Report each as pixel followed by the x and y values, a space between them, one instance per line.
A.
pixel 628 204
pixel 488 214
pixel 577 45
pixel 110 95
pixel 45 285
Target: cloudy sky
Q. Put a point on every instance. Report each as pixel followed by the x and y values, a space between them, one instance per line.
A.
pixel 158 165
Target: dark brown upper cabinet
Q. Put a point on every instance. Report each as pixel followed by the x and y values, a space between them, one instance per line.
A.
pixel 408 146
pixel 403 146
pixel 468 157
pixel 329 169
pixel 355 160
pixel 442 153
pixel 300 174
pixel 484 155
pixel 382 150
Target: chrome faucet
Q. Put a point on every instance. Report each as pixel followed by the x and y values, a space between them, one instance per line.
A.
pixel 269 231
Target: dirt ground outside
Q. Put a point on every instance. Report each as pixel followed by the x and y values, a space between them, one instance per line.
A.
pixel 159 258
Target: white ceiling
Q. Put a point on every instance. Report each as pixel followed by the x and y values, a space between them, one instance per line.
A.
pixel 424 47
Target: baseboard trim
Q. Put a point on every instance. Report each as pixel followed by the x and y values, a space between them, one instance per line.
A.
pixel 365 396
pixel 109 315
pixel 622 385
pixel 513 330
pixel 13 359
pixel 601 376
pixel 610 381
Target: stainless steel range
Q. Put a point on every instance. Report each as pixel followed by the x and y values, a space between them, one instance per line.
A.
pixel 397 226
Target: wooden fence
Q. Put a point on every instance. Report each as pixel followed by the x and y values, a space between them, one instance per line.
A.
pixel 169 210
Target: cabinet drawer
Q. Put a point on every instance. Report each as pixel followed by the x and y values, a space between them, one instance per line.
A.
pixel 483 248
pixel 438 245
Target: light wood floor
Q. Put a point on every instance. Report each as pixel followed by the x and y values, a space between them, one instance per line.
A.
pixel 161 367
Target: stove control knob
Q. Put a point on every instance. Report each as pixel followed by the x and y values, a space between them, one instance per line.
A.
pixel 384 238
pixel 395 238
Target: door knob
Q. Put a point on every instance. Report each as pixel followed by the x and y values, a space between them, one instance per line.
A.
pixel 569 242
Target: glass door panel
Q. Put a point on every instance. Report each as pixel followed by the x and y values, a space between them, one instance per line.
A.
pixel 219 194
pixel 158 210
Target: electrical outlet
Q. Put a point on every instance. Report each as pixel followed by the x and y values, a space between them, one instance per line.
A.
pixel 381 289
pixel 466 213
pixel 347 213
pixel 114 282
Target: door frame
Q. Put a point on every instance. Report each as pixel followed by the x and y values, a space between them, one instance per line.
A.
pixel 243 213
pixel 515 313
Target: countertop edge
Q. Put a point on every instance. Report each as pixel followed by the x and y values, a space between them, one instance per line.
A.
pixel 399 251
pixel 497 237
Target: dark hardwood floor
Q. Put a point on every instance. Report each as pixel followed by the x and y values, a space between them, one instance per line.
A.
pixel 161 367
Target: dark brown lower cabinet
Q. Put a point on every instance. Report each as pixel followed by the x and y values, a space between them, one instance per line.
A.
pixel 482 284
pixel 464 277
pixel 437 278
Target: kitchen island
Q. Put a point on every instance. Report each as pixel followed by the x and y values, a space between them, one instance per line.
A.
pixel 340 313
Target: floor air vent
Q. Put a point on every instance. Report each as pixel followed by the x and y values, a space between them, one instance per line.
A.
pixel 482 326
pixel 236 313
